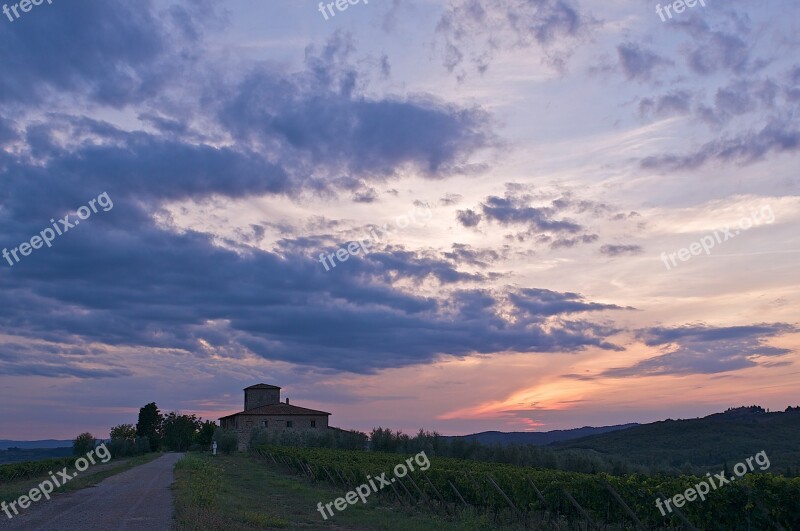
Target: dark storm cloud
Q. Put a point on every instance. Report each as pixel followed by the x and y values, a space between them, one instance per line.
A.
pixel 699 349
pixel 320 117
pixel 113 52
pixel 56 361
pixel 122 279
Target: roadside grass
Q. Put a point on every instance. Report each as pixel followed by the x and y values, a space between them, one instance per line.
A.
pixel 245 493
pixel 91 476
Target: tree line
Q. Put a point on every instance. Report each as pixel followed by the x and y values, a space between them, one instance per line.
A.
pixel 155 432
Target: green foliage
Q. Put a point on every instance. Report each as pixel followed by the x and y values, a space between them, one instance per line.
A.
pixel 204 480
pixel 385 440
pixel 227 441
pixel 702 445
pixel 124 431
pixel 737 505
pixel 142 445
pixel 83 444
pixel 330 438
pixel 121 448
pixel 32 469
pixel 149 424
pixel 205 434
pixel 178 431
pixel 123 441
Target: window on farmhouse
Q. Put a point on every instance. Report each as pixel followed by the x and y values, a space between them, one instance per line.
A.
pixel 288 423
pixel 313 423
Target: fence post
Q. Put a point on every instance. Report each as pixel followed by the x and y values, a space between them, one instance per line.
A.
pixel 619 499
pixel 681 515
pixel 436 491
pixel 589 523
pixel 460 497
pixel 493 482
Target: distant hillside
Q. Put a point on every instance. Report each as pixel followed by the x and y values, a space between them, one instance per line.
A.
pixel 48 443
pixel 539 438
pixel 709 443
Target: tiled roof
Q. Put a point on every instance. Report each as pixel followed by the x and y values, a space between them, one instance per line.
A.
pixel 262 386
pixel 279 409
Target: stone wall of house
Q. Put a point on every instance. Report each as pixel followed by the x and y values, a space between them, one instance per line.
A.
pixel 244 424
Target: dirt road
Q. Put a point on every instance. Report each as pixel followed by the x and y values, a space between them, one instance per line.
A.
pixel 137 499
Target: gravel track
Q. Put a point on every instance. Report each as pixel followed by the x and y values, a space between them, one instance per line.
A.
pixel 137 499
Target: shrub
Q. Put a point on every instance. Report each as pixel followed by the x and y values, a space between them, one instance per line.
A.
pixel 227 441
pixel 83 443
pixel 330 438
pixel 142 445
pixel 121 448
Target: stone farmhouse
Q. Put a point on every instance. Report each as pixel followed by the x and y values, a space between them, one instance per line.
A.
pixel 263 409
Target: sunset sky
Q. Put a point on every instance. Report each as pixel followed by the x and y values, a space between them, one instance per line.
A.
pixel 528 168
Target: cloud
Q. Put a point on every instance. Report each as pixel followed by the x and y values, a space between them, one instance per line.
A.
pixel 674 103
pixel 462 253
pixel 748 147
pixel 110 51
pixel 701 349
pixel 319 118
pixel 511 210
pixel 468 218
pixel 472 31
pixel 639 63
pixel 130 279
pixel 541 213
pixel 621 250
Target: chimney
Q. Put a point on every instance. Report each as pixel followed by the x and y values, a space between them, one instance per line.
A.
pixel 287 401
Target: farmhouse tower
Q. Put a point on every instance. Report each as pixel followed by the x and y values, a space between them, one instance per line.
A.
pixel 261 395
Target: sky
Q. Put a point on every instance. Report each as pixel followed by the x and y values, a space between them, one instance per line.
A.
pixel 456 215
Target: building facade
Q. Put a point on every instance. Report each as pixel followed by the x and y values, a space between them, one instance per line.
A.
pixel 263 409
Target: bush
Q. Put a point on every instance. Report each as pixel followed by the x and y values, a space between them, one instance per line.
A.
pixel 330 438
pixel 83 443
pixel 121 448
pixel 227 441
pixel 142 445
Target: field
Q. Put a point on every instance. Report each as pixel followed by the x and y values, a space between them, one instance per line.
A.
pixel 548 498
pixel 241 492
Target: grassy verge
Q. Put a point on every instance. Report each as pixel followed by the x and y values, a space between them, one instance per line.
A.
pixel 91 476
pixel 244 493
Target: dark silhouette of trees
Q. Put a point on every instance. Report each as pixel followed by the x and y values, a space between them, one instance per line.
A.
pixel 149 425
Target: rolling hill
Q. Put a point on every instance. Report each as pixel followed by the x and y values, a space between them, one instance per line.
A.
pixel 711 443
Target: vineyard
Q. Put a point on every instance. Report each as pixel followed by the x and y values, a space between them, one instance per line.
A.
pixel 32 469
pixel 552 499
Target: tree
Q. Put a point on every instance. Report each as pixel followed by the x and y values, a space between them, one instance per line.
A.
pixel 149 424
pixel 83 443
pixel 205 434
pixel 178 431
pixel 126 432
